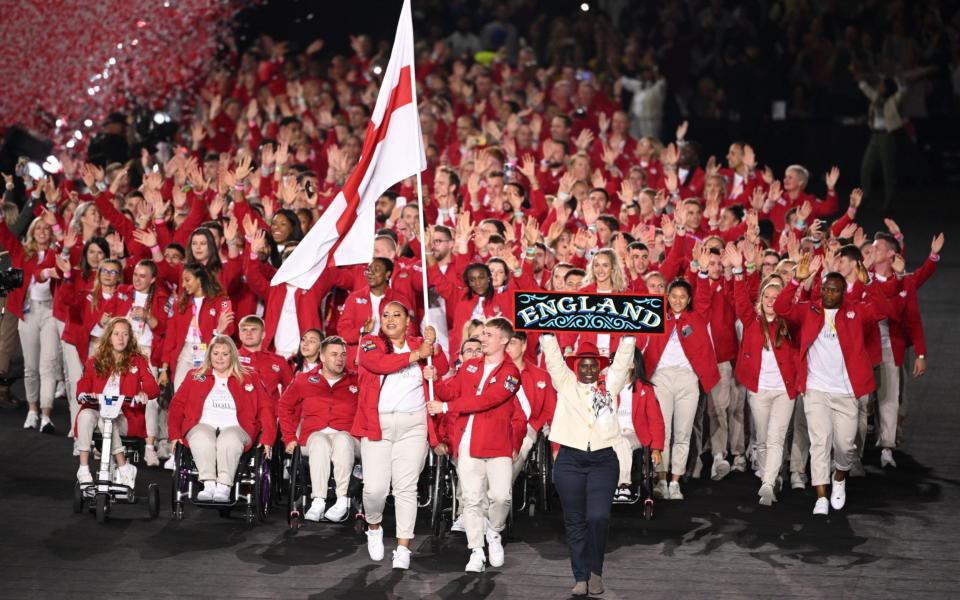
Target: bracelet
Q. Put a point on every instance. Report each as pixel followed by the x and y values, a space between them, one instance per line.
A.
pixel 737 271
pixel 239 187
pixel 531 251
pixel 155 247
pixel 57 228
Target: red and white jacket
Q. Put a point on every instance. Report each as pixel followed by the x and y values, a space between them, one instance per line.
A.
pixel 32 269
pixel 647 417
pixel 254 409
pixel 540 393
pixel 274 372
pixel 137 379
pixel 207 318
pixel 320 405
pixel 751 348
pixel 357 309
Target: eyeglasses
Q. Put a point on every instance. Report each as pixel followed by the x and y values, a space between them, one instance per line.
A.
pixel 110 271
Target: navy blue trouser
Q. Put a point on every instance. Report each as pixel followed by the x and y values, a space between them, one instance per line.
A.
pixel 586 482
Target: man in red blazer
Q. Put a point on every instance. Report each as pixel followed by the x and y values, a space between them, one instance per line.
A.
pixel 486 435
pixel 536 396
pixel 275 373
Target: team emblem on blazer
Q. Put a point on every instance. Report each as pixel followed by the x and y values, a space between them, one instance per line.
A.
pixel 248 387
pixel 510 383
pixel 275 367
pixel 541 384
pixel 472 369
pixel 361 300
pixel 134 370
pixel 122 296
pixel 369 345
pixel 314 379
pixel 199 377
pixel 851 314
pixel 353 389
pixel 213 312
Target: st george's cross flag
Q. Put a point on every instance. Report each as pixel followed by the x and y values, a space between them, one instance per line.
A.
pixel 392 151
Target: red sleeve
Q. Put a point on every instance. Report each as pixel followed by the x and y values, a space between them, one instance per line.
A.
pixel 195 218
pixel 177 407
pixel 829 205
pixel 287 409
pixel 741 296
pixel 348 325
pixel 148 385
pixel 923 272
pixel 268 420
pixel 374 359
pixel 787 308
pixel 493 394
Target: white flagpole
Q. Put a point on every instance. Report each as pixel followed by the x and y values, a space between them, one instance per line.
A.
pixel 420 207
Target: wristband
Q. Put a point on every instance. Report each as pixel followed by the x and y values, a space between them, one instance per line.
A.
pixel 155 247
pixel 800 224
pixel 751 269
pixel 446 408
pixel 737 271
pixel 102 186
pixel 934 257
pixel 279 169
pixel 531 251
pixel 67 274
pixel 9 186
pixel 920 356
pixel 239 187
pixel 56 228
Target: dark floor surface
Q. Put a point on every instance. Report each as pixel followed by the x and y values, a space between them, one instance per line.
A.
pixel 899 536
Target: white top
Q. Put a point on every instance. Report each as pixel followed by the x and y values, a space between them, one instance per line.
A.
pixel 113 386
pixel 193 334
pixel 97 330
pixel 478 310
pixel 40 292
pixel 287 338
pixel 603 344
pixel 219 408
pixel 826 369
pixel 524 402
pixel 625 408
pixel 402 392
pixel 375 301
pixel 140 328
pixel 770 377
pixel 673 354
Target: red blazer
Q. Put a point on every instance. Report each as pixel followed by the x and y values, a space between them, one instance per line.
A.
pixel 157 308
pixel 254 411
pixel 116 306
pixel 499 424
pixel 179 324
pixel 274 372
pixel 721 316
pixel 694 339
pixel 376 361
pixel 647 418
pixel 320 404
pixel 357 309
pixel 137 379
pixel 540 393
pixel 852 321
pixel 497 306
pixel 31 268
pixel 751 348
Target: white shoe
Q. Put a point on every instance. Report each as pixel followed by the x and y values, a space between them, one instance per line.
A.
pixel 495 548
pixel 857 470
pixel 720 468
pixel 206 494
pixel 171 464
pixel 83 475
pixel 126 475
pixel 32 420
pixel 401 558
pixel 150 457
pixel 798 481
pixel 767 497
pixel 46 425
pixel 315 512
pixel 739 464
pixel 477 562
pixel 622 494
pixel 660 491
pixel 673 491
pixel 222 493
pixel 338 511
pixel 163 449
pixel 458 525
pixel 838 494
pixel 822 507
pixel 375 543
pixel 886 458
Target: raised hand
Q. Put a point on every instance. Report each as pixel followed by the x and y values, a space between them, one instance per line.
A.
pixel 856 197
pixel 732 256
pixel 892 226
pixel 682 130
pixel 937 244
pixel 831 178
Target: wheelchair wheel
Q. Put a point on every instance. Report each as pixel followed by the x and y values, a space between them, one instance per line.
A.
pixel 153 500
pixel 544 465
pixel 261 487
pixel 77 498
pixel 436 510
pixel 648 510
pixel 177 484
pixel 294 506
pixel 101 505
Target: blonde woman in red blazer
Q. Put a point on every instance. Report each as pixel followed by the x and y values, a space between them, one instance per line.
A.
pixel 392 424
pixel 202 312
pixel 218 412
pixel 115 368
pixel 766 366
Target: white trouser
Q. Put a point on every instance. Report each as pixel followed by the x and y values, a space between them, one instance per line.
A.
pixel 863 412
pixel 322 448
pixel 723 408
pixel 624 447
pixel 217 452
pixel 832 423
pixel 396 461
pixel 40 345
pixel 152 417
pixel 88 420
pixel 71 369
pixel 184 364
pixel 800 443
pixel 888 399
pixel 771 412
pixel 678 393
pixel 487 485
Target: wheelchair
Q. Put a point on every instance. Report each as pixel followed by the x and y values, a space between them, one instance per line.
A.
pixel 251 489
pixel 534 486
pixel 300 487
pixel 644 475
pixel 441 495
pixel 102 492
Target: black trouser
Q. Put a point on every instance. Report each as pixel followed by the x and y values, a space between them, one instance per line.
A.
pixel 586 482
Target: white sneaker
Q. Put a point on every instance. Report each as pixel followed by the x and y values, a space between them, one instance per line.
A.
pixel 477 562
pixel 163 449
pixel 767 497
pixel 458 525
pixel 622 494
pixel 401 558
pixel 660 491
pixel 720 468
pixel 838 494
pixel 886 458
pixel 798 481
pixel 206 494
pixel 495 548
pixel 127 475
pixel 673 491
pixel 32 420
pixel 315 512
pixel 739 464
pixel 822 507
pixel 338 511
pixel 150 457
pixel 375 543
pixel 171 464
pixel 857 470
pixel 46 425
pixel 83 475
pixel 222 493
